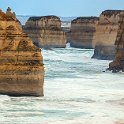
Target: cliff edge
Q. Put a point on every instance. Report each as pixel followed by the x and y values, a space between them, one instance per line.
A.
pixel 82 31
pixel 46 31
pixel 21 62
pixel 105 35
pixel 118 63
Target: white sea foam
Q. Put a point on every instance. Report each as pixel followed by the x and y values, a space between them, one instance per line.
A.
pixel 76 92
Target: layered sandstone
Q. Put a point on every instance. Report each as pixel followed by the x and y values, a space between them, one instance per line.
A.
pixel 105 36
pixel 82 31
pixel 21 63
pixel 118 63
pixel 46 31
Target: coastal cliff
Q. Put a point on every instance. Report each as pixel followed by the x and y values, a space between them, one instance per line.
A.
pixel 105 35
pixel 82 31
pixel 118 63
pixel 21 62
pixel 46 31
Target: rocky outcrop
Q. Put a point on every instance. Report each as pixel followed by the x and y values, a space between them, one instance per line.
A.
pixel 82 31
pixel 104 52
pixel 21 62
pixel 118 63
pixel 105 36
pixel 46 31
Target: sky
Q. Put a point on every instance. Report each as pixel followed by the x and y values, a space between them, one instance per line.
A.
pixel 64 8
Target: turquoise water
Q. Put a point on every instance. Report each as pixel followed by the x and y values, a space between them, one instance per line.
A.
pixel 76 89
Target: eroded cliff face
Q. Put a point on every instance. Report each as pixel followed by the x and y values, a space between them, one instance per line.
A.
pixel 105 36
pixel 21 62
pixel 82 31
pixel 118 63
pixel 45 31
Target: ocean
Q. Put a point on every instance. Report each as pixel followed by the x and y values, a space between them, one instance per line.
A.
pixel 76 91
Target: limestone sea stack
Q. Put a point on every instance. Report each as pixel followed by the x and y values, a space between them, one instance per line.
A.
pixel 105 36
pixel 82 31
pixel 46 31
pixel 21 62
pixel 118 63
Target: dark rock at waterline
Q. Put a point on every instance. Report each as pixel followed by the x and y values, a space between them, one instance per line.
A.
pixel 104 52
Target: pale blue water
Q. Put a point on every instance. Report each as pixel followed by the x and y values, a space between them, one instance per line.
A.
pixel 76 92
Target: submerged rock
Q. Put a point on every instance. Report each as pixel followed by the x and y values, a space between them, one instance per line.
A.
pixel 105 35
pixel 82 31
pixel 118 63
pixel 21 62
pixel 46 31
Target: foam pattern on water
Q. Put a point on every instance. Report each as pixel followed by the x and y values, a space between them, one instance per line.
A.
pixel 77 91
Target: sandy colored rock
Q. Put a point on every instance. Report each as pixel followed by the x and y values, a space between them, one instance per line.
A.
pixel 118 63
pixel 105 36
pixel 21 62
pixel 82 31
pixel 46 31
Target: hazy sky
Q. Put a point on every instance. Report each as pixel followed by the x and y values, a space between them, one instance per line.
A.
pixel 61 7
